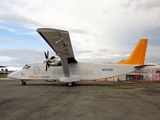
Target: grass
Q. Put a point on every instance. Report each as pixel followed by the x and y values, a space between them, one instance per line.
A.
pixel 124 87
pixel 3 75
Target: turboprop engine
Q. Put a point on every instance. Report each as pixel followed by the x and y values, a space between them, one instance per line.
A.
pixel 53 61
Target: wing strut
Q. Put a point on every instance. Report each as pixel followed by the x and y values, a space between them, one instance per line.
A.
pixel 64 62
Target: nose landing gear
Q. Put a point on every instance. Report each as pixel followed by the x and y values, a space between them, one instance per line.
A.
pixel 23 82
pixel 70 84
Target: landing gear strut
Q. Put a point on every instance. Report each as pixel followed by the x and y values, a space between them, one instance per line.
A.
pixel 23 82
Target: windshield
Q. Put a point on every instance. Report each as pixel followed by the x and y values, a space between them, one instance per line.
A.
pixel 26 67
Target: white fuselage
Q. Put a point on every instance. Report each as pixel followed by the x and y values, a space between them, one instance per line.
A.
pixel 84 71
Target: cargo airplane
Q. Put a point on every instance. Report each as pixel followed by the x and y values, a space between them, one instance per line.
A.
pixel 68 70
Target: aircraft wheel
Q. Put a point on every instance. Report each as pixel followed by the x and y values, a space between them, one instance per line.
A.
pixel 73 83
pixel 23 83
pixel 69 84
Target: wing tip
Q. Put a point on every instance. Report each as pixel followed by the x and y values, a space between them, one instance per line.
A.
pixel 50 30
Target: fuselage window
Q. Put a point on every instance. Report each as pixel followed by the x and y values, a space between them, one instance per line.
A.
pixel 73 71
pixel 54 71
pixel 91 71
pixel 86 72
pixel 82 71
pixel 77 71
pixel 59 71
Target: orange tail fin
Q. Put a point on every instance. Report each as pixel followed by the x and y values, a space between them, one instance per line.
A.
pixel 138 55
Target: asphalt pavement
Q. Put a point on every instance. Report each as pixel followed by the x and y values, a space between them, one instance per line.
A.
pixel 40 100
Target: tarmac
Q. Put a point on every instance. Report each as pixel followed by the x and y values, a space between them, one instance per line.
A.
pixel 40 100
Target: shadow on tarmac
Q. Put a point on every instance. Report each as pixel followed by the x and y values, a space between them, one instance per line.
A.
pixel 79 84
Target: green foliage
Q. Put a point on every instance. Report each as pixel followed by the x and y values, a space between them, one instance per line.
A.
pixel 3 75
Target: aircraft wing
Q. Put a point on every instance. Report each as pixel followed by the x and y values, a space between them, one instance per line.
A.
pixel 1 66
pixel 59 41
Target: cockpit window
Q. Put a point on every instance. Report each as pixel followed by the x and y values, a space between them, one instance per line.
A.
pixel 26 67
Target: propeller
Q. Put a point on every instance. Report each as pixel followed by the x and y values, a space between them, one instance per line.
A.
pixel 47 60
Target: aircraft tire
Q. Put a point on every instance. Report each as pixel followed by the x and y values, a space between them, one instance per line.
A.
pixel 23 83
pixel 69 84
pixel 73 83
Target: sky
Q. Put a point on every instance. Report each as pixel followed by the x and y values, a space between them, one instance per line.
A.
pixel 100 30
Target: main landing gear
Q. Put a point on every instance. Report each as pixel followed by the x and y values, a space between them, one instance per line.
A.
pixel 23 82
pixel 70 84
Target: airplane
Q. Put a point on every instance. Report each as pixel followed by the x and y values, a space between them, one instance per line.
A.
pixel 3 70
pixel 68 69
pixel 2 66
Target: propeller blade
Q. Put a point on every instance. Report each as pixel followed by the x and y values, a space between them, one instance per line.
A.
pixel 48 64
pixel 46 67
pixel 46 54
pixel 47 60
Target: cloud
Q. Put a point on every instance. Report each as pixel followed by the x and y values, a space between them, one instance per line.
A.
pixel 20 57
pixel 148 4
pixel 141 4
pixel 19 19
pixel 78 31
pixel 10 41
pixel 17 28
pixel 101 31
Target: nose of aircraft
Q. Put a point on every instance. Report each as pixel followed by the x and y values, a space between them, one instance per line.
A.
pixel 14 75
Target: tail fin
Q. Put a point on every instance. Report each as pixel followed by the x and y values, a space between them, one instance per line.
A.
pixel 138 55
